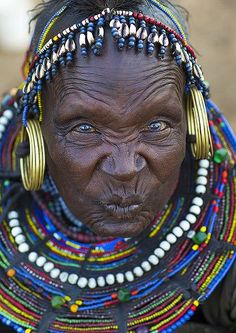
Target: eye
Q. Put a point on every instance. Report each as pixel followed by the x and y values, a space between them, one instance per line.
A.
pixel 85 128
pixel 157 126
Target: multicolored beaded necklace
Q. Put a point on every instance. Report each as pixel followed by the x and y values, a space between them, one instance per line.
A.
pixel 52 281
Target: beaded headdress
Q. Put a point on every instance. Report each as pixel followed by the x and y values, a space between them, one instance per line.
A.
pixel 129 29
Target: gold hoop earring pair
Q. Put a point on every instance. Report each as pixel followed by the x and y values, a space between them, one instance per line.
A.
pixel 198 126
pixel 32 166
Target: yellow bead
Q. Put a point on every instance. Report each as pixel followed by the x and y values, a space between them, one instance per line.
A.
pixel 196 303
pixel 203 229
pixel 74 308
pixel 11 272
pixel 55 39
pixel 67 298
pixel 79 302
pixel 195 247
pixel 28 330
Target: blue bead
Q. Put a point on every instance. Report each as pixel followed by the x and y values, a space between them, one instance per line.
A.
pixel 133 39
pixel 121 45
pixel 98 45
pixel 122 40
pixel 131 44
pixel 90 25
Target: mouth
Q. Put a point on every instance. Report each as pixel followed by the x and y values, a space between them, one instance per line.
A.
pixel 123 208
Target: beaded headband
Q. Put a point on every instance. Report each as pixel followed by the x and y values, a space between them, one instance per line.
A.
pixel 129 29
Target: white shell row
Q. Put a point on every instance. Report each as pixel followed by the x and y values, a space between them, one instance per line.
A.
pixel 17 232
pixel 4 121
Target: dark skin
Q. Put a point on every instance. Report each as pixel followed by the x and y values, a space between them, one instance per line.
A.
pixel 115 136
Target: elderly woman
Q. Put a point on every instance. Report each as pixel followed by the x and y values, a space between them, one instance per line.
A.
pixel 118 191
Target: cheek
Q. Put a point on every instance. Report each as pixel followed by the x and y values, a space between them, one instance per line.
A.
pixel 165 160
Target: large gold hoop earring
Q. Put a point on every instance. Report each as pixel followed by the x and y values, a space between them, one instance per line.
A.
pixel 198 126
pixel 32 166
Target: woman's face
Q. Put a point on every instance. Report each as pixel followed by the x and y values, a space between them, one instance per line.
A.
pixel 115 132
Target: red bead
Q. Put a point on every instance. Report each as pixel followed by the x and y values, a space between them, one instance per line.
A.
pixel 216 209
pixel 134 292
pixel 211 123
pixel 224 181
pixel 225 174
pixel 152 21
pixel 140 16
pixel 147 19
pixel 91 19
pixel 194 308
pixel 114 296
pixel 135 15
pixel 221 194
pixel 218 145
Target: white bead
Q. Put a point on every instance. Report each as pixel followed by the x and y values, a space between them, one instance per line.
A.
pixel 12 215
pixel 195 210
pixel 2 128
pixel 92 283
pixel 202 172
pixel 191 218
pixel 120 278
pixel 24 247
pixel 198 201
pixel 0 135
pixel 165 246
pixel 204 164
pixel 110 279
pixel 3 121
pixel 8 114
pixel 201 180
pixel 58 237
pixel 101 281
pixel 200 189
pixel 82 282
pixel 32 256
pixel 48 267
pixel 146 266
pixel 138 271
pixel 16 231
pixel 20 239
pixel 191 234
pixel 73 278
pixel 185 225
pixel 41 261
pixel 171 238
pixel 14 223
pixel 63 277
pixel 159 252
pixel 177 231
pixel 129 276
pixel 153 260
pixel 55 273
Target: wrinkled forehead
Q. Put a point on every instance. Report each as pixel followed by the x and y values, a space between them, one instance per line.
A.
pixel 126 74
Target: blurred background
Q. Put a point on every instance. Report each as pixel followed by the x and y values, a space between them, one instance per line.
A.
pixel 212 26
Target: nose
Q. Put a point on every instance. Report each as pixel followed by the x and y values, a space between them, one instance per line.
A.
pixel 124 163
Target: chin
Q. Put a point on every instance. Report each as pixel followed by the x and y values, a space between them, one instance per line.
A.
pixel 124 228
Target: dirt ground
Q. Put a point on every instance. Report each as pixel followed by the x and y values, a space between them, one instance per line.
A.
pixel 212 27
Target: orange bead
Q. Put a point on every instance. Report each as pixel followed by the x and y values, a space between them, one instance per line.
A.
pixel 114 296
pixel 11 272
pixel 74 308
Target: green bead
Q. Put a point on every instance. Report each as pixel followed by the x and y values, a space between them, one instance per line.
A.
pixel 220 155
pixel 124 295
pixel 57 302
pixel 6 183
pixel 199 238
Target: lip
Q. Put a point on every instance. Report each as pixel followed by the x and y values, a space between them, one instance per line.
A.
pixel 123 207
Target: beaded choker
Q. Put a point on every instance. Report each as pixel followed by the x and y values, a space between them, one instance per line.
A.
pixel 53 281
